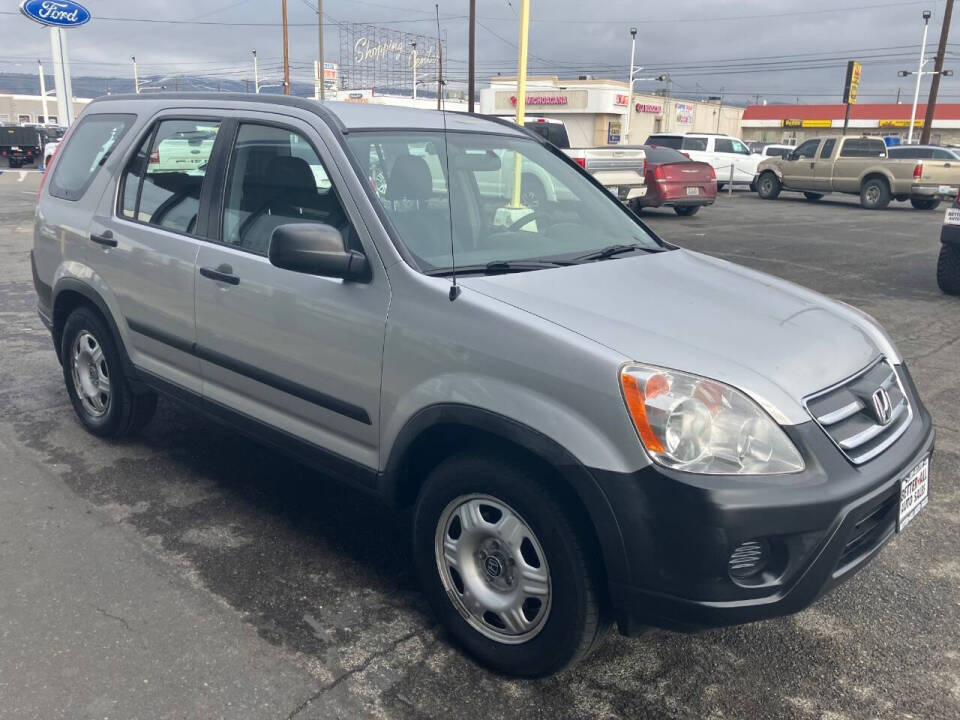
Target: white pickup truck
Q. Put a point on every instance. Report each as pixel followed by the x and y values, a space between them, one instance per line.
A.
pixel 724 153
pixel 620 170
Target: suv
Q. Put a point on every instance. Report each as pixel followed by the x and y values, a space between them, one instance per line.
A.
pixel 588 424
pixel 730 157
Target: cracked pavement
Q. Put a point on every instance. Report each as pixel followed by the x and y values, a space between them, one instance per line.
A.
pixel 191 573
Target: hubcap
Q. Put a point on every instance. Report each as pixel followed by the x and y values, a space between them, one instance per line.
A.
pixel 493 568
pixel 91 378
pixel 873 194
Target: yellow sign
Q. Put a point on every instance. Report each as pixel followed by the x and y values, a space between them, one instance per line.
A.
pixel 806 123
pixel 901 123
pixel 851 86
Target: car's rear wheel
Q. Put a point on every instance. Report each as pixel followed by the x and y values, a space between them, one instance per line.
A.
pixel 948 269
pixel 813 197
pixel 875 194
pixel 925 203
pixel 504 568
pixel 93 372
pixel 686 210
pixel 769 186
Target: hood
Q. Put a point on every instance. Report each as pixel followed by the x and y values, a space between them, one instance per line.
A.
pixel 678 309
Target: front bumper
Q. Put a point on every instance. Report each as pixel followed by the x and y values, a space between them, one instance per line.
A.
pixel 819 527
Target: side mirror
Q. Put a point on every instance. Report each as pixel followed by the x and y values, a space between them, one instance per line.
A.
pixel 316 249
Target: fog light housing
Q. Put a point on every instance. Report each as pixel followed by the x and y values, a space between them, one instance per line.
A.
pixel 749 559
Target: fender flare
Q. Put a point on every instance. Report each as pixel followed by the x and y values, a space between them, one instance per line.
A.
pixel 577 476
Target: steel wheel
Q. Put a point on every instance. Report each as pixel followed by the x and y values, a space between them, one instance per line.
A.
pixel 872 194
pixel 91 377
pixel 493 568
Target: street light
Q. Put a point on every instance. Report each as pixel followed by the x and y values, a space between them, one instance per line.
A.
pixel 256 74
pixel 413 44
pixel 916 92
pixel 136 80
pixel 625 135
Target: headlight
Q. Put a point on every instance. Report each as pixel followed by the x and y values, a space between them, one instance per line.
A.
pixel 698 425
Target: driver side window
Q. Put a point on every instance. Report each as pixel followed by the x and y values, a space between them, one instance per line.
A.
pixel 807 149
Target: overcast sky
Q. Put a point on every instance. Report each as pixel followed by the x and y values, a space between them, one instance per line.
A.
pixel 777 49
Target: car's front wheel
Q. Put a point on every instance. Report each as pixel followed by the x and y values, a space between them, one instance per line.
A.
pixel 504 568
pixel 948 269
pixel 768 186
pixel 93 372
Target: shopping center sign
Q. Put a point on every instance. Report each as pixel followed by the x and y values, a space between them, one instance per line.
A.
pixel 56 13
pixel 806 123
pixel 649 108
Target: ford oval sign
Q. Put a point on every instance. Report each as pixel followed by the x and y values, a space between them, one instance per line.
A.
pixel 58 13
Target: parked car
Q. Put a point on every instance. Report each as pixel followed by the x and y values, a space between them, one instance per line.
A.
pixel 676 181
pixel 723 152
pixel 587 423
pixel 858 166
pixel 776 150
pixel 948 264
pixel 617 168
pixel 20 145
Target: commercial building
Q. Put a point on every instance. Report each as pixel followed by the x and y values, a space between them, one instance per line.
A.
pixel 29 108
pixel 795 123
pixel 595 111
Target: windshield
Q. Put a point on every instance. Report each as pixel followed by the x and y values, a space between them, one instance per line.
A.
pixel 561 214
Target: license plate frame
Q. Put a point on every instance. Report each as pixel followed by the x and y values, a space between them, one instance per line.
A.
pixel 693 190
pixel 914 493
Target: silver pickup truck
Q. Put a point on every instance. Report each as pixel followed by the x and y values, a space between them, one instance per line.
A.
pixel 858 166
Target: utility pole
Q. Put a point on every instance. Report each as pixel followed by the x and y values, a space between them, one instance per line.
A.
pixel 256 74
pixel 286 52
pixel 439 72
pixel 136 79
pixel 323 74
pixel 916 93
pixel 43 94
pixel 625 135
pixel 472 51
pixel 937 72
pixel 413 57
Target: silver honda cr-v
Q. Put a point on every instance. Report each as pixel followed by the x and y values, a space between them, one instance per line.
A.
pixel 588 423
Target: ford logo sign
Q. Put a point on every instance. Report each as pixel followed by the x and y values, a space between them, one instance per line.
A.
pixel 58 13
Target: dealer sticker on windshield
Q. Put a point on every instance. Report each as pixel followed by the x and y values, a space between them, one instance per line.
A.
pixel 914 493
pixel 952 217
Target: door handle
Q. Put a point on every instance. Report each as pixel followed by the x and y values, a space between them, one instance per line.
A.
pixel 224 274
pixel 106 238
pixel 946 164
pixel 811 165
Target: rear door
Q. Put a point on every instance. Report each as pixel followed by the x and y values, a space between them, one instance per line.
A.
pixel 823 166
pixel 295 352
pixel 149 232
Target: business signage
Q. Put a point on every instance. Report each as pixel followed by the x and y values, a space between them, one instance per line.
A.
pixel 806 123
pixel 684 114
pixel 649 108
pixel 614 129
pixel 851 85
pixel 542 99
pixel 372 56
pixel 622 100
pixel 900 123
pixel 56 13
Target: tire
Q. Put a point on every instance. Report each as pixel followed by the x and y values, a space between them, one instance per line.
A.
pixel 532 193
pixel 769 186
pixel 925 203
pixel 948 269
pixel 686 210
pixel 813 197
pixel 570 619
pixel 14 164
pixel 90 356
pixel 875 194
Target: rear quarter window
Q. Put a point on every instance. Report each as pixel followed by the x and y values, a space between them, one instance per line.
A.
pixel 669 141
pixel 86 150
pixel 694 143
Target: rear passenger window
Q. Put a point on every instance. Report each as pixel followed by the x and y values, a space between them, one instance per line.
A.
pixel 693 143
pixel 88 147
pixel 161 186
pixel 274 178
pixel 723 145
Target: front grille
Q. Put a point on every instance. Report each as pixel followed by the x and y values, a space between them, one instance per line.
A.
pixel 871 531
pixel 850 415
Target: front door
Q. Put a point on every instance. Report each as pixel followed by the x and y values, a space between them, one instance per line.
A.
pixel 297 352
pixel 798 166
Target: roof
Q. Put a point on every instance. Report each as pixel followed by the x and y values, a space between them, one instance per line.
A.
pixel 342 115
pixel 865 111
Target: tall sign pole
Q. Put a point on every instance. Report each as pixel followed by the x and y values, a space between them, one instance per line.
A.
pixel 61 76
pixel 43 94
pixel 323 74
pixel 472 52
pixel 937 73
pixel 521 97
pixel 286 52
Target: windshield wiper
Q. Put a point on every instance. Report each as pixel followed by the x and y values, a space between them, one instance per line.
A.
pixel 498 267
pixel 608 252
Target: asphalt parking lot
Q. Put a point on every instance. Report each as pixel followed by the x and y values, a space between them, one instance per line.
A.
pixel 191 573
